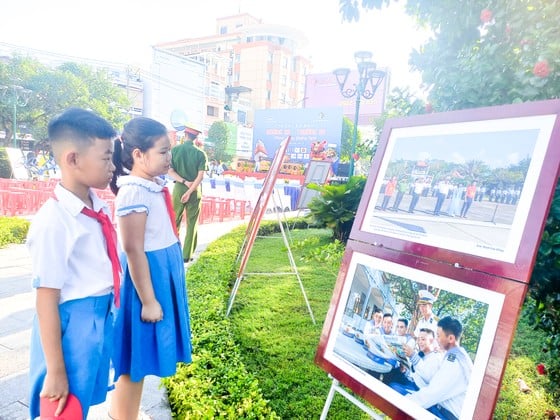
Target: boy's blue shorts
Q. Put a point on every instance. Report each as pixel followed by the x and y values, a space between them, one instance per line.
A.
pixel 87 342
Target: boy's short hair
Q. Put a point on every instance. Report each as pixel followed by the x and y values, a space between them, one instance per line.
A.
pixel 451 326
pixel 79 126
pixel 404 321
pixel 428 331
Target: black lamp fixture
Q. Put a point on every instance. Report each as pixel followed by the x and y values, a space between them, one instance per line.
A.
pixel 369 80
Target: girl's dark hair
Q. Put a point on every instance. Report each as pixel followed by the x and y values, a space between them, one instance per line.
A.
pixel 139 133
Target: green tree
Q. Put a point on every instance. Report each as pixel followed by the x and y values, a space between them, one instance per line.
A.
pixel 55 89
pixel 219 137
pixel 346 139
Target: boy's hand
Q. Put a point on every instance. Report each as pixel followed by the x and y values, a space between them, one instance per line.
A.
pixel 151 312
pixel 55 388
pixel 409 351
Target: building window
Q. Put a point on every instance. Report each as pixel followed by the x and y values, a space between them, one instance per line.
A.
pixel 212 111
pixel 241 117
pixel 284 80
pixel 237 58
pixel 223 30
pixel 268 95
pixel 285 62
pixel 270 57
pixel 269 76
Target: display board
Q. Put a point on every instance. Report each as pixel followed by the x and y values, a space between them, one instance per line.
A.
pixel 257 215
pixel 508 150
pixel 476 264
pixel 317 173
pixel 17 159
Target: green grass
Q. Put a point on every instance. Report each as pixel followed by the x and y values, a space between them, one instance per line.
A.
pixel 525 354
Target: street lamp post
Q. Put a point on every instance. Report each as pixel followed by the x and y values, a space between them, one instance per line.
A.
pixel 19 97
pixel 369 79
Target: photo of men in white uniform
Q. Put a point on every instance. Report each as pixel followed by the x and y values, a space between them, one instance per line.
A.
pixel 445 394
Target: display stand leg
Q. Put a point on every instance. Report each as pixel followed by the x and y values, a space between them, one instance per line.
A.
pixel 336 387
pixel 232 295
pixel 285 233
pixel 294 268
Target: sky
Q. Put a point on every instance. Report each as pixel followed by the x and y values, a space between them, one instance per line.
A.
pixel 497 149
pixel 125 30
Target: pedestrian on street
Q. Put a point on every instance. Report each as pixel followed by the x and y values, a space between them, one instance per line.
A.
pixel 469 198
pixel 402 187
pixel 390 188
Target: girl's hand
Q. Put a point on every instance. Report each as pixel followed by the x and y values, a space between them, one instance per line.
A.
pixel 151 312
pixel 55 388
pixel 185 197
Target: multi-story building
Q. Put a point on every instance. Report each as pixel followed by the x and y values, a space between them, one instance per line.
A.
pixel 249 65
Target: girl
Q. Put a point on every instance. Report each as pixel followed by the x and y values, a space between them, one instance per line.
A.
pixel 152 331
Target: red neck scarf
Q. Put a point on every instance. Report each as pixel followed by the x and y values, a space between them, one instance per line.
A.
pixel 111 238
pixel 170 210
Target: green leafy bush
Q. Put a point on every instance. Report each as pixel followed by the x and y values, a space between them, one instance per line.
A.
pixel 545 290
pixel 13 230
pixel 336 207
pixel 526 353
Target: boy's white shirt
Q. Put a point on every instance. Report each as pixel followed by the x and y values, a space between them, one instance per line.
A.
pixel 68 249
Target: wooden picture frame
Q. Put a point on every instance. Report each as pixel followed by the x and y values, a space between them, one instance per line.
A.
pixel 354 367
pixel 518 142
pixel 484 259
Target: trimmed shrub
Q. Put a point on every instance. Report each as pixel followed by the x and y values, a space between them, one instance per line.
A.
pixel 13 230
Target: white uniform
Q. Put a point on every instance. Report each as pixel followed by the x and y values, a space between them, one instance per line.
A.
pixel 370 328
pixel 68 248
pixel 448 386
pixel 424 368
pixel 430 323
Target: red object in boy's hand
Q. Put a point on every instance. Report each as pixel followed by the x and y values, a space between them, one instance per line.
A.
pixel 72 411
pixel 541 369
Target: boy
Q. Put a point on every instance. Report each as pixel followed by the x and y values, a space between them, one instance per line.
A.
pixel 74 268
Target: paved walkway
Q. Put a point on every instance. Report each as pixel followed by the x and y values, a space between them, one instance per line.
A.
pixel 16 314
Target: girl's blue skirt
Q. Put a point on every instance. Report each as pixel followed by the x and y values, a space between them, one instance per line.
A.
pixel 147 348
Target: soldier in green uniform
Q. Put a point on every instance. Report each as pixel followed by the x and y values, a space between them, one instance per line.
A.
pixel 188 164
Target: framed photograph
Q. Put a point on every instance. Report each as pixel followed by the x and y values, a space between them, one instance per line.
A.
pixel 469 187
pixel 317 172
pixel 379 322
